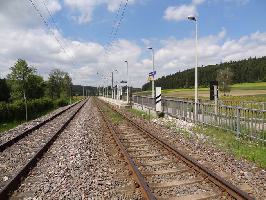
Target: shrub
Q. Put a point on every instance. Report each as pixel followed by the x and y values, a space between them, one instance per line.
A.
pixel 160 114
pixel 60 102
pixel 16 111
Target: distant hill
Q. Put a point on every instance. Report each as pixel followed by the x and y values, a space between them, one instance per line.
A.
pixel 248 70
pixel 77 90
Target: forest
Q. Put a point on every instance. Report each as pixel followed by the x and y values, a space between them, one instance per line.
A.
pixel 247 70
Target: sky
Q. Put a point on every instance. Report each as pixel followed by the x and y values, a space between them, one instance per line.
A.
pixel 91 38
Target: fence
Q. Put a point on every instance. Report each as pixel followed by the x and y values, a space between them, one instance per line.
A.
pixel 245 122
pixel 243 104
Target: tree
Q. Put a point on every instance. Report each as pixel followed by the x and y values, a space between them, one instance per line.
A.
pixel 247 70
pixel 35 87
pixel 5 90
pixel 59 84
pixel 224 78
pixel 18 79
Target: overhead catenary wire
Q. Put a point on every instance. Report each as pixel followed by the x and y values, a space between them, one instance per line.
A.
pixel 114 24
pixel 46 23
pixel 116 27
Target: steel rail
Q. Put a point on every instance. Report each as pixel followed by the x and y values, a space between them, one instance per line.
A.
pixel 231 189
pixel 13 140
pixel 16 180
pixel 132 166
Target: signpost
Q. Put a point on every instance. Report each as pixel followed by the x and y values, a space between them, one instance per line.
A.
pixel 158 100
pixel 214 94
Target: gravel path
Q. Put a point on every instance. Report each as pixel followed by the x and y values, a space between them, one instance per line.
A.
pixel 7 135
pixel 83 163
pixel 241 173
pixel 14 157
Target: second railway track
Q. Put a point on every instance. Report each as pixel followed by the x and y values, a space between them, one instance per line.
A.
pixel 20 155
pixel 164 172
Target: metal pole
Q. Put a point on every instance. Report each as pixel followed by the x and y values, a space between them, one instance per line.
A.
pixel 70 102
pixel 26 106
pixel 196 73
pixel 112 85
pixel 83 91
pixel 127 84
pixel 153 95
pixel 215 100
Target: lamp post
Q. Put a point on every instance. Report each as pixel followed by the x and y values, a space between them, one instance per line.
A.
pixel 113 93
pixel 193 18
pixel 127 82
pixel 152 87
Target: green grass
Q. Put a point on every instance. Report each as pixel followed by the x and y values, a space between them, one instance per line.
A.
pixel 241 92
pixel 5 126
pixel 250 86
pixel 140 114
pixel 9 125
pixel 241 148
pixel 113 116
pixel 255 98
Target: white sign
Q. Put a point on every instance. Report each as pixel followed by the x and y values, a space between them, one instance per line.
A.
pixel 158 99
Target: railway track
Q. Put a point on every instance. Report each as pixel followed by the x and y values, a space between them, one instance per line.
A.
pixel 9 141
pixel 21 153
pixel 164 172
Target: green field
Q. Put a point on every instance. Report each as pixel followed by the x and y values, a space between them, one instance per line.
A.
pixel 243 92
pixel 250 86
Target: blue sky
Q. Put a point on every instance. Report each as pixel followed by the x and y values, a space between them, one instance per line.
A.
pixel 145 20
pixel 228 30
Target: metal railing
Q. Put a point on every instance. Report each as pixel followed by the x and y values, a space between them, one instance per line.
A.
pixel 245 122
pixel 243 104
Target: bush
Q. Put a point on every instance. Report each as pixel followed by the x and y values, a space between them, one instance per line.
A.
pixel 3 111
pixel 160 114
pixel 16 111
pixel 60 102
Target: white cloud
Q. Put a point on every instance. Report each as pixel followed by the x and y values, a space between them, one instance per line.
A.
pixel 179 13
pixel 87 58
pixel 175 55
pixel 21 36
pixel 17 13
pixel 83 9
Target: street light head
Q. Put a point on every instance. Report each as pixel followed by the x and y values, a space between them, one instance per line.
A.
pixel 125 61
pixel 193 18
pixel 150 48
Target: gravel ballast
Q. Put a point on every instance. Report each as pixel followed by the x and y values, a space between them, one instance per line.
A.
pixel 7 135
pixel 13 158
pixel 83 163
pixel 240 172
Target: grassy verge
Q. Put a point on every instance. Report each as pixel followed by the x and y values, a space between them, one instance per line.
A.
pixel 9 125
pixel 241 148
pixel 113 116
pixel 5 126
pixel 141 114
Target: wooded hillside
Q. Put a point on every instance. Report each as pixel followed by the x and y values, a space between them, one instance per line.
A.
pixel 248 70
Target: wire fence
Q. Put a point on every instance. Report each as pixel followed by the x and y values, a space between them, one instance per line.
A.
pixel 243 104
pixel 244 122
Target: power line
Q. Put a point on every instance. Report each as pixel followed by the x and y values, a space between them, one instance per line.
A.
pixel 113 26
pixel 55 25
pixel 46 23
pixel 116 28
